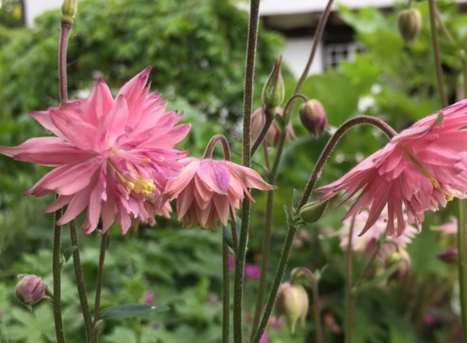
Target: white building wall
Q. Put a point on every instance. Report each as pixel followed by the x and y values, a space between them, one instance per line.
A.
pixel 37 7
pixel 296 52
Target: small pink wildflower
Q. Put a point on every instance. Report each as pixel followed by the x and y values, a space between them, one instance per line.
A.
pixel 252 271
pixel 449 228
pixel 149 298
pixel 362 243
pixel 111 157
pixel 208 190
pixel 419 170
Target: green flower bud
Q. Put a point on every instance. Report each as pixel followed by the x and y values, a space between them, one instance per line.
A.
pixel 293 303
pixel 312 211
pixel 409 23
pixel 274 90
pixel 69 9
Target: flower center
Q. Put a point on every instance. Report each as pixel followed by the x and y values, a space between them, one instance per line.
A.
pixel 134 183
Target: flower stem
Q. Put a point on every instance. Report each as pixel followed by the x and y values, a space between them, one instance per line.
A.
pixel 99 283
pixel 335 138
pixel 56 259
pixel 217 139
pixel 317 313
pixel 462 248
pixel 247 109
pixel 348 286
pixel 437 54
pixel 316 40
pixel 57 289
pixel 276 283
pixel 360 120
pixel 226 292
pixel 79 281
pixel 263 133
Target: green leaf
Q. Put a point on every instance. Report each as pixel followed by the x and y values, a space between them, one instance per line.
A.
pixel 130 311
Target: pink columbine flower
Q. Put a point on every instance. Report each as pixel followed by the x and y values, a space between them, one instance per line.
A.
pixel 111 157
pixel 208 190
pixel 252 271
pixel 364 243
pixel 449 228
pixel 419 170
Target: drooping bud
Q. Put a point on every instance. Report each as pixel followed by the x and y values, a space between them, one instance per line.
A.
pixel 274 90
pixel 303 276
pixel 30 289
pixel 312 211
pixel 293 303
pixel 313 117
pixel 258 120
pixel 69 9
pixel 409 23
pixel 449 256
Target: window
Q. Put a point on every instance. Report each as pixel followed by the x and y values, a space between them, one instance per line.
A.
pixel 337 52
pixel 12 13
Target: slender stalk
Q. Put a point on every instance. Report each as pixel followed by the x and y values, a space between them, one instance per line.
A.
pixel 284 257
pixel 437 54
pixel 247 109
pixel 348 286
pixel 264 131
pixel 80 282
pixel 360 120
pixel 462 241
pixel 99 283
pixel 217 139
pixel 57 289
pixel 56 258
pixel 316 40
pixel 317 313
pixel 226 292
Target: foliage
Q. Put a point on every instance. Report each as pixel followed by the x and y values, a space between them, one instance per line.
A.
pixel 182 267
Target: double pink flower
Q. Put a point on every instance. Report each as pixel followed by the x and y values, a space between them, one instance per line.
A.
pixel 115 160
pixel 419 170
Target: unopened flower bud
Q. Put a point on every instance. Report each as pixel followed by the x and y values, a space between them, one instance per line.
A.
pixel 313 117
pixel 30 289
pixel 302 275
pixel 312 211
pixel 293 303
pixel 449 256
pixel 274 90
pixel 402 260
pixel 258 121
pixel 409 23
pixel 69 9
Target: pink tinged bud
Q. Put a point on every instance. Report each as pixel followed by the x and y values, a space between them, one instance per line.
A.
pixel 449 256
pixel 30 289
pixel 313 117
pixel 409 23
pixel 293 304
pixel 149 298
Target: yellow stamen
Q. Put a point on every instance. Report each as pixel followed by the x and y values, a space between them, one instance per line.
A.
pixel 136 184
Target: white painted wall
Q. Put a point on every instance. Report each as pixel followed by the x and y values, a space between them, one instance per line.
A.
pixel 37 7
pixel 296 52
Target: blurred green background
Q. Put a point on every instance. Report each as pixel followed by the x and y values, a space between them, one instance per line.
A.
pixel 196 49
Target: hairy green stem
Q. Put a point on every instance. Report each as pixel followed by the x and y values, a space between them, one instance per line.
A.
pixel 335 138
pixel 316 304
pixel 348 286
pixel 57 254
pixel 247 109
pixel 225 292
pixel 437 53
pixel 462 264
pixel 316 40
pixel 80 281
pixel 99 283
